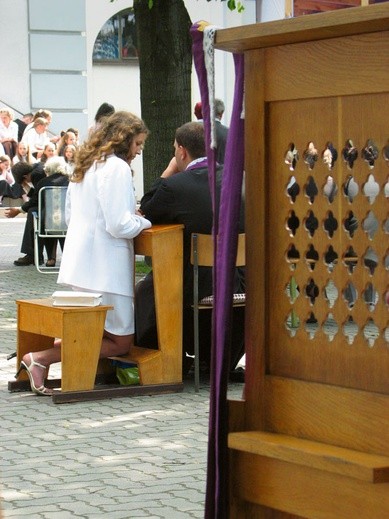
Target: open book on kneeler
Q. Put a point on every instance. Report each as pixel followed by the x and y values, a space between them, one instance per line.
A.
pixel 73 298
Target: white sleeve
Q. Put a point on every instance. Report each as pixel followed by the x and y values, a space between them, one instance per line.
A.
pixel 117 199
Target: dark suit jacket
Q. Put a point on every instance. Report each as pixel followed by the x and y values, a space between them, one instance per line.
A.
pixel 185 198
pixel 221 140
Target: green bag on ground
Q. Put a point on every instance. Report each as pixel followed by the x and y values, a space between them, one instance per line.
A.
pixel 127 374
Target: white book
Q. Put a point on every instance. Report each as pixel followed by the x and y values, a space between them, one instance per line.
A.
pixel 74 298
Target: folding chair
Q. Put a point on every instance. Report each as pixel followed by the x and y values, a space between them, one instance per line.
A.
pixel 49 221
pixel 202 256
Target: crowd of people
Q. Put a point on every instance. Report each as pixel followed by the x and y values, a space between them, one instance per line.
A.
pixel 28 140
pixel 27 153
pixel 100 234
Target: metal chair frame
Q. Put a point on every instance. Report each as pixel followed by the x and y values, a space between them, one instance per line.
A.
pixel 49 220
pixel 202 256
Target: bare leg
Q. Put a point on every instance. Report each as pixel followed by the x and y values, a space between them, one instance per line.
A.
pixel 111 345
pixel 45 358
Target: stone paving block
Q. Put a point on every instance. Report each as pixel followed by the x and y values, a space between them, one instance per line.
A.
pixel 129 458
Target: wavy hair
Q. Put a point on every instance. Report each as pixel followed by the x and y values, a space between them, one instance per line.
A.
pixel 115 135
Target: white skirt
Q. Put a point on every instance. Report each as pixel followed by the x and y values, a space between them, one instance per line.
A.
pixel 120 320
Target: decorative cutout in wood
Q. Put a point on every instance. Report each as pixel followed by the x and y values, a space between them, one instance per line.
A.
pixel 312 291
pixel 350 188
pixel 330 293
pixel 311 223
pixel 330 155
pixel 350 153
pixel 292 156
pixel 311 325
pixel 330 327
pixel 292 323
pixel 292 223
pixel 370 260
pixel 310 155
pixel 292 257
pixel 292 290
pixel 330 224
pixel 370 153
pixel 331 258
pixel 350 259
pixel 350 295
pixel 311 190
pixel 292 189
pixel 370 297
pixel 350 329
pixel 371 332
pixel 330 189
pixel 370 225
pixel 311 257
pixel 371 189
pixel 350 224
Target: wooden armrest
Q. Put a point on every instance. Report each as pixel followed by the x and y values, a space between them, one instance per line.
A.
pixel 372 468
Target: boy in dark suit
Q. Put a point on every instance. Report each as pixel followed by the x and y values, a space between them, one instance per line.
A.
pixel 182 195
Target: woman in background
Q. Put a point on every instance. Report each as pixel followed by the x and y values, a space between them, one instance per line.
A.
pixel 8 132
pixel 8 186
pixel 23 154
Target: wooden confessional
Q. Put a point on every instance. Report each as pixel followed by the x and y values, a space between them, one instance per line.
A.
pixel 311 437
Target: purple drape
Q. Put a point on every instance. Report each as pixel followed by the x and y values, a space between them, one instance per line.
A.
pixel 226 228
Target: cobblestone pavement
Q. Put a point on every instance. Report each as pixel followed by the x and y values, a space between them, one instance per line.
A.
pixel 129 458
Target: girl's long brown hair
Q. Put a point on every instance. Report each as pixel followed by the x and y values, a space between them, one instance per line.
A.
pixel 115 135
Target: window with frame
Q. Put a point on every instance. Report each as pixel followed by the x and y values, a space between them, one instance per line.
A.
pixel 116 41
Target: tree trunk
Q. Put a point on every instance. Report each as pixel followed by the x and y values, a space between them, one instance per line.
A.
pixel 165 62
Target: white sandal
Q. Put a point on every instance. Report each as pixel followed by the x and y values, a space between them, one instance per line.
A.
pixel 42 390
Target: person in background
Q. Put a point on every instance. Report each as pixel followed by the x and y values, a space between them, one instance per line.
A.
pixel 102 222
pixel 69 137
pixel 8 186
pixel 104 110
pixel 8 132
pixel 198 111
pixel 42 114
pixel 69 155
pixel 31 175
pixel 36 137
pixel 49 151
pixel 22 175
pixel 23 154
pixel 22 124
pixel 57 173
pixel 221 131
pixel 182 195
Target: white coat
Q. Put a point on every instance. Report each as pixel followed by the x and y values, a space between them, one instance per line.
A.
pixel 100 212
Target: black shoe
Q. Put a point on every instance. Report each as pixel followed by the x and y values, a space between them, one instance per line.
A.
pixel 24 261
pixel 237 375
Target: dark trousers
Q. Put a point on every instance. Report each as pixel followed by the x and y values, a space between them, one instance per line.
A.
pixel 146 334
pixel 28 235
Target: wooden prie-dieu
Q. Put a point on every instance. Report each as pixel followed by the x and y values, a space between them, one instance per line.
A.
pixel 311 437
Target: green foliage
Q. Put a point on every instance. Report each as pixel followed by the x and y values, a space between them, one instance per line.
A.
pixel 141 267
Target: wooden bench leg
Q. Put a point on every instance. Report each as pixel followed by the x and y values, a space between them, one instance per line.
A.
pixel 80 350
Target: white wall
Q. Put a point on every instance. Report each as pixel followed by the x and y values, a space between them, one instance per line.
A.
pixel 14 55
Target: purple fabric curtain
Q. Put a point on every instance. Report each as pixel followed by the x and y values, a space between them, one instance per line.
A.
pixel 226 228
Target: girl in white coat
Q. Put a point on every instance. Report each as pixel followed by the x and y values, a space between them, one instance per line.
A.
pixel 102 221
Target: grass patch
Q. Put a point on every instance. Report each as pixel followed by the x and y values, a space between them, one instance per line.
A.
pixel 141 267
